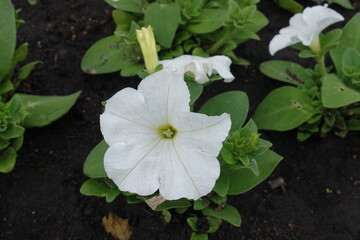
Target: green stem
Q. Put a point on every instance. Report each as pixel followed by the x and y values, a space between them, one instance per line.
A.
pixel 229 32
pixel 321 61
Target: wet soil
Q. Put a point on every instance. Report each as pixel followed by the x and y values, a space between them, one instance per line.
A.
pixel 40 199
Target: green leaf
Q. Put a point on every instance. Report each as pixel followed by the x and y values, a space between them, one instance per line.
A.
pixel 283 109
pixel 195 90
pixel 17 142
pixel 33 2
pixel 164 18
pixel 329 40
pixel 350 38
pixel 244 179
pixel 94 187
pixel 134 6
pixel 235 103
pixel 229 214
pixel 20 54
pixel 208 21
pixel 351 63
pixel 7 159
pixel 107 55
pixel 336 94
pixel 111 194
pixel 4 143
pixel 290 5
pixel 6 86
pixel 222 184
pixel 122 18
pixel 214 224
pixel 166 215
pixel 131 70
pixel 43 110
pixel 180 203
pixel 354 124
pixel 7 36
pixel 344 3
pixel 94 163
pixel 201 203
pixel 25 71
pixel 197 236
pixel 192 222
pixel 285 71
pixel 13 131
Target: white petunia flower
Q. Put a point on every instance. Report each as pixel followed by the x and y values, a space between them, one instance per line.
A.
pixel 200 67
pixel 305 27
pixel 157 143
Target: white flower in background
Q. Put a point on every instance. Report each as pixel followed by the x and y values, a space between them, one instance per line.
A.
pixel 305 27
pixel 200 67
pixel 157 143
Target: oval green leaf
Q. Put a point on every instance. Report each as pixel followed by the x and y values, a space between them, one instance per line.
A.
pixel 164 18
pixel 235 103
pixel 43 110
pixel 285 71
pixel 350 38
pixel 244 179
pixel 284 109
pixel 229 214
pixel 105 56
pixel 7 36
pixel 7 159
pixel 94 163
pixel 336 94
pixel 134 6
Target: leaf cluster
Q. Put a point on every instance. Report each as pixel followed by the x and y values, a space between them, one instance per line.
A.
pixel 197 27
pixel 321 99
pixel 20 111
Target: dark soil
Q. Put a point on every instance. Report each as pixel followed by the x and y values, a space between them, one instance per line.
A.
pixel 40 199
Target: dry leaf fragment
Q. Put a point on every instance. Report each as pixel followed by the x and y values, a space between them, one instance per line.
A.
pixel 118 227
pixel 155 201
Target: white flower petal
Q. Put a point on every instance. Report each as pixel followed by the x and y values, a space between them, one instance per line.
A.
pixel 193 161
pixel 125 115
pixel 164 93
pixel 322 16
pixel 305 27
pixel 134 166
pixel 118 129
pixel 221 65
pixel 200 67
pixel 188 172
pixel 281 41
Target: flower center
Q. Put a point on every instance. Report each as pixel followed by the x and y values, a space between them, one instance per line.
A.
pixel 167 131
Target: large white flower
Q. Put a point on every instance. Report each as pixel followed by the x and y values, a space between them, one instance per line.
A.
pixel 200 67
pixel 305 27
pixel 157 143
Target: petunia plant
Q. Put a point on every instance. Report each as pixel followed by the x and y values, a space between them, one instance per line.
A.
pixel 20 111
pixel 295 7
pixel 321 99
pixel 195 27
pixel 157 150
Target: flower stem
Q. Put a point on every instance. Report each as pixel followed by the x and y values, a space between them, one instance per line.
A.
pixel 228 34
pixel 321 62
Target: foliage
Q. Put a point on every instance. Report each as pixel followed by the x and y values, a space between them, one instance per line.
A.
pixel 20 111
pixel 200 27
pixel 320 99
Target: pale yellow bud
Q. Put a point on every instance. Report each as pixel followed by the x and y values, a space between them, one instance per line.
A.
pixel 146 39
